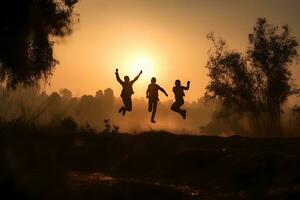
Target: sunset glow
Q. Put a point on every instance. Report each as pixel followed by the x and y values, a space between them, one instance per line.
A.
pixel 150 99
pixel 144 63
pixel 161 38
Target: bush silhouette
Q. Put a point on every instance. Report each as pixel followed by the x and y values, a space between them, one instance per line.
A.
pixel 258 81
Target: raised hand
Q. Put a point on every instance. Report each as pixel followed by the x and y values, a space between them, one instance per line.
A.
pixel 188 86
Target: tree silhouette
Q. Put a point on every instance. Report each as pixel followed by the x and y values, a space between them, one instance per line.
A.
pixel 271 53
pixel 259 81
pixel 27 28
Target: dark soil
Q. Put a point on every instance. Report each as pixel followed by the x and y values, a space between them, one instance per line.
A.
pixel 148 166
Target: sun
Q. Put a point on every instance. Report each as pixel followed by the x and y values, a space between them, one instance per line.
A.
pixel 144 63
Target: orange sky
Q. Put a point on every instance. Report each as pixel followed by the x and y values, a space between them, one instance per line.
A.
pixel 167 37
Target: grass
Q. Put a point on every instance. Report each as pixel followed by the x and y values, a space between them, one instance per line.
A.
pixel 38 163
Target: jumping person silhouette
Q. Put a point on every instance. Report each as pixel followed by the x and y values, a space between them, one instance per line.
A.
pixel 127 92
pixel 178 90
pixel 152 95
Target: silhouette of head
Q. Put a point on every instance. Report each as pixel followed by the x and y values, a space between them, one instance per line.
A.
pixel 126 78
pixel 153 80
pixel 177 83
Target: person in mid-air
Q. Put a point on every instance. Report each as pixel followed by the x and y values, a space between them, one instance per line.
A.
pixel 152 95
pixel 178 90
pixel 127 91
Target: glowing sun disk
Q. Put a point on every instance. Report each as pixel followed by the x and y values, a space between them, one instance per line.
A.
pixel 145 64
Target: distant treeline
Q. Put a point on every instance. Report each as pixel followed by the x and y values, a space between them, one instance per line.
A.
pixel 43 109
pixel 204 116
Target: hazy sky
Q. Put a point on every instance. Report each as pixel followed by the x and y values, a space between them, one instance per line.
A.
pixel 167 38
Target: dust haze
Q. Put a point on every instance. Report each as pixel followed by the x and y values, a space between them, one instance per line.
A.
pixel 203 116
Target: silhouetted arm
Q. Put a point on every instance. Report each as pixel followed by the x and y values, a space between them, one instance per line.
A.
pixel 118 77
pixel 188 86
pixel 147 92
pixel 163 90
pixel 137 77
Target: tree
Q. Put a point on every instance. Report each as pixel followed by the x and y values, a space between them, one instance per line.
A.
pixel 271 53
pixel 231 80
pixel 259 81
pixel 27 28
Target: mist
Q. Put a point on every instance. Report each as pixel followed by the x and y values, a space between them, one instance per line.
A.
pixel 43 109
pixel 203 116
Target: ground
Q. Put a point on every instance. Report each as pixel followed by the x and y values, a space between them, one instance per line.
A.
pixel 156 165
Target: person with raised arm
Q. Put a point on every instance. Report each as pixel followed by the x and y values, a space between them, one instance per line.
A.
pixel 178 90
pixel 127 91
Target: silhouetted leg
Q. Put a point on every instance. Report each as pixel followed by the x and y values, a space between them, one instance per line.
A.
pixel 176 108
pixel 154 111
pixel 149 106
pixel 124 111
pixel 181 111
pixel 183 114
pixel 121 109
pixel 128 103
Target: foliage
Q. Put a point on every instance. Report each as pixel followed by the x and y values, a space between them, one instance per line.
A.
pixel 271 53
pixel 110 128
pixel 27 28
pixel 258 81
pixel 231 80
pixel 69 125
